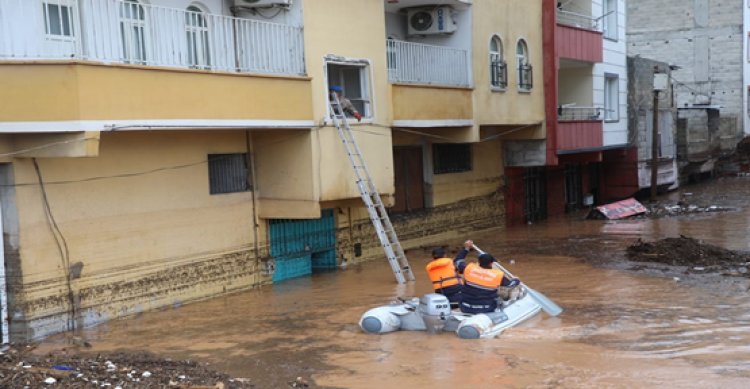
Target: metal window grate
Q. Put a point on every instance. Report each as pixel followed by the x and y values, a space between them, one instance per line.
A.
pixel 228 173
pixel 451 158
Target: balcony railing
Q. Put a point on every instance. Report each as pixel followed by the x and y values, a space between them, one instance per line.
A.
pixel 121 31
pixel 427 64
pixel 579 113
pixel 573 19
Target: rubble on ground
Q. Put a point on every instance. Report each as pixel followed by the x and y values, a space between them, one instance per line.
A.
pixel 663 209
pixel 696 256
pixel 20 368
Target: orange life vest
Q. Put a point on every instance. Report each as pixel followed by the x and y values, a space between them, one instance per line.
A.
pixel 480 277
pixel 442 273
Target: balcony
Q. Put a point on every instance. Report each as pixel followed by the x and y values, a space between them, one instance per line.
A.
pixel 579 128
pixel 416 63
pixel 578 37
pixel 124 32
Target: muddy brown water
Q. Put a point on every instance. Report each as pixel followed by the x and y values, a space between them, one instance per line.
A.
pixel 620 329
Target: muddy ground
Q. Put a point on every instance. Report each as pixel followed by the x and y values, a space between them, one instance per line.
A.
pixel 20 368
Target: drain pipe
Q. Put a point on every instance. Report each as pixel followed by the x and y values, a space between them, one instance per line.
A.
pixel 250 161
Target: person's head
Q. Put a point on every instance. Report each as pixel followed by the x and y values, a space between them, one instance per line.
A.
pixel 337 89
pixel 438 252
pixel 485 260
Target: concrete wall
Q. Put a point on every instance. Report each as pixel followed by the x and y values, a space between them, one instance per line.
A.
pixel 510 20
pixel 705 38
pixel 614 63
pixel 140 220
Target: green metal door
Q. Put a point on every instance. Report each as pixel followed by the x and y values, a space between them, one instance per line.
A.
pixel 300 246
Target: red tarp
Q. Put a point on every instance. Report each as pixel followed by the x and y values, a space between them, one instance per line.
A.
pixel 622 209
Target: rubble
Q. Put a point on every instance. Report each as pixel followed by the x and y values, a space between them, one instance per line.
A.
pixel 696 256
pixel 20 368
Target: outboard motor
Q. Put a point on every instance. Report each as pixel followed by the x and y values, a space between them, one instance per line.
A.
pixel 435 310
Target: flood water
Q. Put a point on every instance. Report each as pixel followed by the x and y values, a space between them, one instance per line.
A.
pixel 620 329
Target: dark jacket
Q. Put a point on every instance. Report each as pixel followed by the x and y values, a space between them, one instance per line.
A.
pixel 475 299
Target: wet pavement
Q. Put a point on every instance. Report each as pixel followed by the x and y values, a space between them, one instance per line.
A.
pixel 620 329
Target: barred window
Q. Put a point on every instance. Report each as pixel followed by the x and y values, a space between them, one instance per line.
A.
pixel 498 68
pixel 228 173
pixel 451 158
pixel 525 75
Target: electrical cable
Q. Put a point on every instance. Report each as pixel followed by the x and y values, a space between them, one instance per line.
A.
pixel 62 246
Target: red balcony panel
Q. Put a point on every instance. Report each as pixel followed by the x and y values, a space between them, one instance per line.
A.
pixel 579 44
pixel 583 134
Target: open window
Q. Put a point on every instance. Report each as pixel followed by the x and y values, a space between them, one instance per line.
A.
pixel 354 80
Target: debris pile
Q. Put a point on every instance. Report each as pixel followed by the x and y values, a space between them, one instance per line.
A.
pixel 693 254
pixel 19 368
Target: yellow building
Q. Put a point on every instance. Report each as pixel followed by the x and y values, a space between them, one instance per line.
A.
pixel 158 152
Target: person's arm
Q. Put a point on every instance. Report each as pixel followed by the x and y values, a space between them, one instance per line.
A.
pixel 349 108
pixel 459 262
pixel 510 282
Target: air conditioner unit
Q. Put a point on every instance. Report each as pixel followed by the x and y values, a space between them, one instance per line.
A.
pixel 431 20
pixel 261 3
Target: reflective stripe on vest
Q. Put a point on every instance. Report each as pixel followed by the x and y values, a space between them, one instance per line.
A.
pixel 442 273
pixel 482 278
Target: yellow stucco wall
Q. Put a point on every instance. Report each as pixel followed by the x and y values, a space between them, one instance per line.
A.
pixel 511 20
pixel 414 102
pixel 46 92
pixel 142 207
pixel 328 31
pixel 484 178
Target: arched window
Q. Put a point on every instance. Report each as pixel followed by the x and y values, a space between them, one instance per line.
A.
pixel 498 67
pixel 525 79
pixel 133 31
pixel 196 28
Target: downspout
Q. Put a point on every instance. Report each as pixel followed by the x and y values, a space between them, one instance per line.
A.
pixel 250 161
pixel 550 70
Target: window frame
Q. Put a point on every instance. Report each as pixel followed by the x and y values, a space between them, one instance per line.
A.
pixel 366 99
pixel 243 176
pixel 498 66
pixel 133 20
pixel 611 112
pixel 608 20
pixel 525 77
pixel 459 161
pixel 198 28
pixel 70 18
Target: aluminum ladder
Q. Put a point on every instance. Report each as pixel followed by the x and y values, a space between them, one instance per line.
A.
pixel 375 208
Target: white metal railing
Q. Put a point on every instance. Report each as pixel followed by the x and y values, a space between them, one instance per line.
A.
pixel 579 113
pixel 427 64
pixel 122 31
pixel 574 19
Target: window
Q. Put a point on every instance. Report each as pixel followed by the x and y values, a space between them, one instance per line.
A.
pixel 355 81
pixel 132 30
pixel 58 20
pixel 609 19
pixel 451 158
pixel 525 78
pixel 498 68
pixel 228 173
pixel 611 98
pixel 196 28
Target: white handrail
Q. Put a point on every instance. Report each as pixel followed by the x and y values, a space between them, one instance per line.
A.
pixel 411 62
pixel 121 31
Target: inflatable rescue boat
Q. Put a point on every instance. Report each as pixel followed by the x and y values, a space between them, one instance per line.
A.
pixel 433 313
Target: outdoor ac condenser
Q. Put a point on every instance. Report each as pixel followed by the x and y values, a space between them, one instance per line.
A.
pixel 261 3
pixel 430 21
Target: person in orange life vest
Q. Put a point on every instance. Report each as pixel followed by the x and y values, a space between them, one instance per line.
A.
pixel 479 293
pixel 443 275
